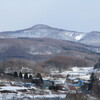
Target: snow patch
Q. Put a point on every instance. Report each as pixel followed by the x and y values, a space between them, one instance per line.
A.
pixel 78 37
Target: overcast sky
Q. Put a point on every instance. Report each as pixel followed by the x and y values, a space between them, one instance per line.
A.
pixel 78 15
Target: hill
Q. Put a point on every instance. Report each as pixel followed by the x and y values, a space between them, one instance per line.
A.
pixel 40 49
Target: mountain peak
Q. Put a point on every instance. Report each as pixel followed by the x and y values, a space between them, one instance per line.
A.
pixel 40 26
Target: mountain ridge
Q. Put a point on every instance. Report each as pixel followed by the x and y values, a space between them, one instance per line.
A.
pixel 45 31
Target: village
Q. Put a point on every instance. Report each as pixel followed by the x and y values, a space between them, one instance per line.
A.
pixel 61 85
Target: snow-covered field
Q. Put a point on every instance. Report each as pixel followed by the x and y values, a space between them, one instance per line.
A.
pixel 17 93
pixel 82 73
pixel 19 96
pixel 76 72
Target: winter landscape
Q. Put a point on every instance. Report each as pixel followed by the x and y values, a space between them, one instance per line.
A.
pixel 49 50
pixel 48 68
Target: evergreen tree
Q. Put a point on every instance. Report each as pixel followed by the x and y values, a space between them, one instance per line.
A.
pixel 15 74
pixel 40 78
pixel 20 75
pixel 38 75
pixel 67 76
pixel 96 88
pixel 25 76
pixel 92 77
pixel 92 80
pixel 97 65
pixel 30 77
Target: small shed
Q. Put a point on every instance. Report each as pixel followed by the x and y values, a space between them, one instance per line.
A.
pixel 47 83
pixel 72 89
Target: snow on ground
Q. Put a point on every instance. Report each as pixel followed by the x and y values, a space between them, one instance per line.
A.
pixel 12 88
pixel 50 96
pixel 83 72
pixel 79 70
pixel 78 37
pixel 76 72
pixel 19 96
pixel 15 88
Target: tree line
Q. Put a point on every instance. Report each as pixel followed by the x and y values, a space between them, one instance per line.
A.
pixel 22 76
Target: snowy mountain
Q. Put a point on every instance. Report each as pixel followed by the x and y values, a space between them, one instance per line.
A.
pixel 92 38
pixel 44 31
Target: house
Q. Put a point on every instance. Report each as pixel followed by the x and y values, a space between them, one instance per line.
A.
pixel 20 84
pixel 38 82
pixel 47 83
pixel 2 84
pixel 28 84
pixel 58 82
pixel 72 89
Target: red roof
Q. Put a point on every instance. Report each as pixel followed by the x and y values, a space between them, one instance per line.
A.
pixel 72 88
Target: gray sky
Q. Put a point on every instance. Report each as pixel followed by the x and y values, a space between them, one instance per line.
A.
pixel 78 15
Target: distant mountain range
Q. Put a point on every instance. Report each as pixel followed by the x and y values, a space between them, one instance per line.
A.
pixel 44 31
pixel 46 46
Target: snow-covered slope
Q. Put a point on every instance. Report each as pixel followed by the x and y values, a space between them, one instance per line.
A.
pixel 92 38
pixel 43 31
